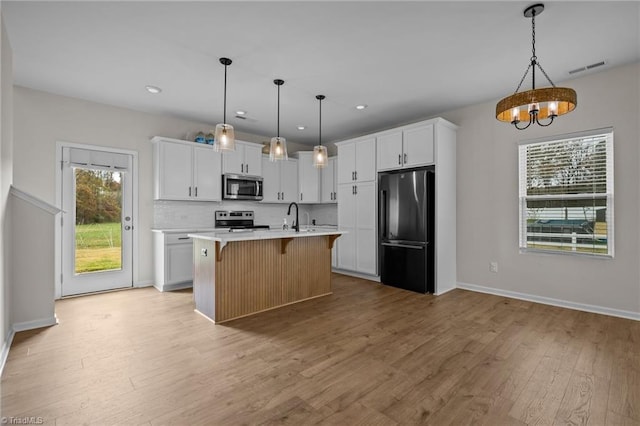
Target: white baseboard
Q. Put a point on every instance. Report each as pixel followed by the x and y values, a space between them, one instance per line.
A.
pixel 5 348
pixel 440 293
pixel 550 301
pixel 39 323
pixel 172 287
pixel 375 278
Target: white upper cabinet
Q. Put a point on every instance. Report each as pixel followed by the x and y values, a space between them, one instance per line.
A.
pixel 280 184
pixel 207 172
pixel 186 171
pixel 357 160
pixel 308 178
pixel 411 146
pixel 245 160
pixel 328 186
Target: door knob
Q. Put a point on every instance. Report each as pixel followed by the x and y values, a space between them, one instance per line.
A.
pixel 127 228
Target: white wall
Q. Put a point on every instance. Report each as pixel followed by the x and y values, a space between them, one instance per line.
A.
pixel 33 241
pixel 43 118
pixel 6 171
pixel 487 195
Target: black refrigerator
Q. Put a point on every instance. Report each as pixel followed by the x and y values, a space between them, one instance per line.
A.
pixel 406 229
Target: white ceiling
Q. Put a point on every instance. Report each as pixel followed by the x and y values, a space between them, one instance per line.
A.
pixel 405 60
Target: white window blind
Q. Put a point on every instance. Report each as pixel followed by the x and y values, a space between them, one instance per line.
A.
pixel 566 194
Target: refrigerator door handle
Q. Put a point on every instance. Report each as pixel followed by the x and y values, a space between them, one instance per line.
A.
pixel 409 246
pixel 383 214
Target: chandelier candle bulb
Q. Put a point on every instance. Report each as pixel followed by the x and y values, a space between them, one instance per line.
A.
pixel 515 115
pixel 534 108
pixel 553 109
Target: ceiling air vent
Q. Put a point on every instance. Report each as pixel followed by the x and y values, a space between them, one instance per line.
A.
pixel 587 67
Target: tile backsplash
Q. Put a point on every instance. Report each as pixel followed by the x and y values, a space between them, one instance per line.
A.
pixel 196 214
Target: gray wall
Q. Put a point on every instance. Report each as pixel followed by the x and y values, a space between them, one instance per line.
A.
pixel 6 173
pixel 487 195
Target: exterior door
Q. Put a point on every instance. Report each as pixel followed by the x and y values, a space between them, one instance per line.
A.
pixel 97 223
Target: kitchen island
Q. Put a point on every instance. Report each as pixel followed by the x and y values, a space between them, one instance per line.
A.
pixel 242 273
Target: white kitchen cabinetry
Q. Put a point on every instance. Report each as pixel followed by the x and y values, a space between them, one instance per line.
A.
pixel 329 187
pixel 308 179
pixel 357 160
pixel 410 146
pixel 430 142
pixel 186 171
pixel 245 160
pixel 173 261
pixel 357 215
pixel 357 208
pixel 280 180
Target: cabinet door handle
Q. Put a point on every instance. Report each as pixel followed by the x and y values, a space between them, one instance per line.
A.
pixel 246 168
pixel 241 167
pixel 184 238
pixel 356 172
pixel 301 196
pixel 282 195
pixel 356 189
pixel 279 196
pixel 399 159
pixel 189 191
pixel 405 158
pixel 196 191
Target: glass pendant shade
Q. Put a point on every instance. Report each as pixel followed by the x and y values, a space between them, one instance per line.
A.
pixel 319 156
pixel 278 149
pixel 224 138
pixel 278 146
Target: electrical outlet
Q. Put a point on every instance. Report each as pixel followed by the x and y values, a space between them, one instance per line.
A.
pixel 493 266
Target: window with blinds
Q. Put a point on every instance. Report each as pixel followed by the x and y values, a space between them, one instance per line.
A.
pixel 566 194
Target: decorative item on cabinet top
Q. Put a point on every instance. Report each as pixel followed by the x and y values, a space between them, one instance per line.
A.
pixel 199 137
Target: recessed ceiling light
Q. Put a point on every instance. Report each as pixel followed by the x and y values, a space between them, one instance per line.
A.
pixel 153 89
pixel 301 127
pixel 240 112
pixel 361 106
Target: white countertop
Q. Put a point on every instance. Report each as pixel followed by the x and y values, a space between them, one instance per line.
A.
pixel 182 230
pixel 225 236
pixel 201 230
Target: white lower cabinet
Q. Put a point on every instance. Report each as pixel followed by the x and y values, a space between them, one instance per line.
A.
pixel 173 261
pixel 357 248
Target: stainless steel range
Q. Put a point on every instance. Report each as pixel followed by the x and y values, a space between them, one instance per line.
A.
pixel 239 220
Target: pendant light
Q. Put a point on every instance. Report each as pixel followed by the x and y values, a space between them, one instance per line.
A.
pixel 319 151
pixel 224 139
pixel 536 104
pixel 278 147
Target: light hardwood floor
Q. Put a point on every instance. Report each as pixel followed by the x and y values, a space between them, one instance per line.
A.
pixel 368 354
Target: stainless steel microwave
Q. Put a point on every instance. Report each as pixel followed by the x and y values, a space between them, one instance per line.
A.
pixel 239 187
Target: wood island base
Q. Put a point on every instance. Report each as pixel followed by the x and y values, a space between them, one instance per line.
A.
pixel 243 278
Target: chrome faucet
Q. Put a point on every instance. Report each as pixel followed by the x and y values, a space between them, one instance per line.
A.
pixel 296 225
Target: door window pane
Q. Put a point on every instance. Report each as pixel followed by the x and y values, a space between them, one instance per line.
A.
pixel 98 227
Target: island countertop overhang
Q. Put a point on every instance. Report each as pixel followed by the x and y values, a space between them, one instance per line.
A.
pixel 225 237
